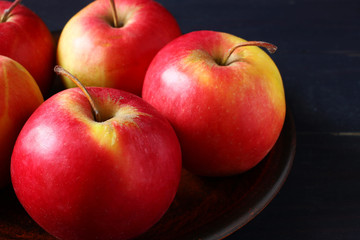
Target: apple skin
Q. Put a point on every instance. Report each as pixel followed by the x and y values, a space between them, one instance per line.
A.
pixel 227 117
pixel 101 55
pixel 83 179
pixel 26 39
pixel 19 97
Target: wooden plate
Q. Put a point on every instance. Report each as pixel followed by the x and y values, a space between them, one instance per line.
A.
pixel 204 207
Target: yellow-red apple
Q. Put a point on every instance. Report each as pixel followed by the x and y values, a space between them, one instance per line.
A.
pixel 19 97
pixel 25 38
pixel 107 54
pixel 224 97
pixel 82 178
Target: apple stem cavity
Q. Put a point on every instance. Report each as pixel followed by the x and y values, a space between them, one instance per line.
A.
pixel 7 12
pixel 61 71
pixel 270 47
pixel 114 14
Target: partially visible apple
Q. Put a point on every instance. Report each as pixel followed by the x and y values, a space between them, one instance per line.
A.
pixel 112 47
pixel 19 97
pixel 82 178
pixel 224 97
pixel 26 39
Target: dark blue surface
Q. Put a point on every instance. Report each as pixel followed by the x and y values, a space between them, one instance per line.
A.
pixel 319 59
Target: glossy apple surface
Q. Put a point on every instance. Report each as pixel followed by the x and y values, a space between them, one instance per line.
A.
pixel 83 179
pixel 227 115
pixel 25 38
pixel 19 97
pixel 92 49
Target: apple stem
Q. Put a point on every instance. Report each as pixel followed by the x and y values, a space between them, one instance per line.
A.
pixel 61 71
pixel 270 47
pixel 114 13
pixel 8 11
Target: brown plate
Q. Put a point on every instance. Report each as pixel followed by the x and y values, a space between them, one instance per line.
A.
pixel 204 207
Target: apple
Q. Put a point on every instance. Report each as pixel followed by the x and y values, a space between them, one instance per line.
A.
pixel 19 97
pixel 111 45
pixel 26 39
pixel 224 97
pixel 105 170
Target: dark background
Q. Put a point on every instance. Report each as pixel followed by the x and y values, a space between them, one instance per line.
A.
pixel 319 59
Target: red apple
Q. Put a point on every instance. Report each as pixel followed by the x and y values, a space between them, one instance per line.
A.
pixel 26 39
pixel 101 54
pixel 19 97
pixel 81 178
pixel 224 99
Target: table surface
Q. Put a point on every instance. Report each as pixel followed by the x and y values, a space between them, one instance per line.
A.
pixel 319 59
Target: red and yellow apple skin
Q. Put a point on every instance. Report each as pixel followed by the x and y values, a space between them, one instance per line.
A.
pixel 26 39
pixel 102 55
pixel 83 179
pixel 19 97
pixel 227 116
